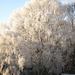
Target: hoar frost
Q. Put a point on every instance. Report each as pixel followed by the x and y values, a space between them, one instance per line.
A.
pixel 37 37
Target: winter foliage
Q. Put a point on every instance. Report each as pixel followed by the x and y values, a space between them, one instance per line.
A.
pixel 36 37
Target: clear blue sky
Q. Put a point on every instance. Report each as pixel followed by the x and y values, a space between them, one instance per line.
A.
pixel 8 6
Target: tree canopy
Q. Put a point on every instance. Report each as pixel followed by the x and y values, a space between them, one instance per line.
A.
pixel 36 37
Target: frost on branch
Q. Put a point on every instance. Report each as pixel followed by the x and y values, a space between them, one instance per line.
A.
pixel 37 38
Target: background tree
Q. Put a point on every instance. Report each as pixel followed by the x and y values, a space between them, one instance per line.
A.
pixel 70 13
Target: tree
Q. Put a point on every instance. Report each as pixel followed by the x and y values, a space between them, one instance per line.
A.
pixel 70 12
pixel 38 37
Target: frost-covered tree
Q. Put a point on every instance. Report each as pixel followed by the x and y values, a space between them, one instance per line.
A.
pixel 37 38
pixel 70 13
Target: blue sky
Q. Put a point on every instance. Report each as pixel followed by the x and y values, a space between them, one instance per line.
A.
pixel 66 0
pixel 8 6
